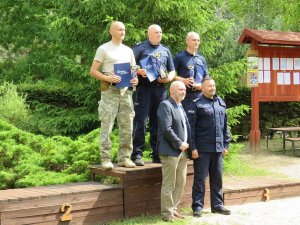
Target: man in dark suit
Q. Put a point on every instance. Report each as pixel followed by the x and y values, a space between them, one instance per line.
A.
pixel 173 138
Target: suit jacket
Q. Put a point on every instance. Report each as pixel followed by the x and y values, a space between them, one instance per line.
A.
pixel 171 128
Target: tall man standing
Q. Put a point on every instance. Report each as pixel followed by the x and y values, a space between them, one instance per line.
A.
pixel 190 68
pixel 173 138
pixel 210 142
pixel 150 94
pixel 114 102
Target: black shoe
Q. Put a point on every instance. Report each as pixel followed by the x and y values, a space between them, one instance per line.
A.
pixel 156 160
pixel 139 162
pixel 222 211
pixel 197 213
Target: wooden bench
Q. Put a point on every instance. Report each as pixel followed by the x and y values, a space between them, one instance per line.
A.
pixel 293 140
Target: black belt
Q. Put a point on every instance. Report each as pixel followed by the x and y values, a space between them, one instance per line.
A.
pixel 114 84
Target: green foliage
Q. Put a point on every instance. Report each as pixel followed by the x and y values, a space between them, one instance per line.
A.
pixel 31 160
pixel 13 107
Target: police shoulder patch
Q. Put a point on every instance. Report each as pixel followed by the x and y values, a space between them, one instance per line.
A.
pixel 137 44
pixel 190 111
pixel 195 100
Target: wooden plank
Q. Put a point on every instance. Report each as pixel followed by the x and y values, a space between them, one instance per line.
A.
pixel 104 212
pixel 51 191
pixel 141 193
pixel 37 210
pixel 102 195
pixel 143 174
pixel 143 182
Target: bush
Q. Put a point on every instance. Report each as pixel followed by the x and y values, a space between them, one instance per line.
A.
pixel 13 107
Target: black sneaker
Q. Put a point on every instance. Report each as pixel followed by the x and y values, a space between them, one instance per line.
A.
pixel 139 162
pixel 155 160
pixel 197 213
pixel 222 211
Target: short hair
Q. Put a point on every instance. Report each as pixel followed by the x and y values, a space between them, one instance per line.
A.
pixel 207 78
pixel 191 33
pixel 176 83
pixel 153 26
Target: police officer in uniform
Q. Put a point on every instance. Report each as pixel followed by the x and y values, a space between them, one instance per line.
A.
pixel 150 94
pixel 191 68
pixel 210 142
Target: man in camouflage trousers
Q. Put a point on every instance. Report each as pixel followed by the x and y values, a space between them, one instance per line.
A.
pixel 115 102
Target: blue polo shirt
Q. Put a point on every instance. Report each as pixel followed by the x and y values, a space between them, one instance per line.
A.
pixel 144 49
pixel 187 65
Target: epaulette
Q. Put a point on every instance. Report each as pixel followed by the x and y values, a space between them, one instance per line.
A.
pixel 137 44
pixel 179 52
pixel 195 100
pixel 221 101
pixel 165 46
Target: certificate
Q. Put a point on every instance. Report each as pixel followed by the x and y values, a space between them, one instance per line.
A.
pixel 124 71
pixel 147 64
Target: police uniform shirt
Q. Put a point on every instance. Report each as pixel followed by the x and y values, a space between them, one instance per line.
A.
pixel 208 121
pixel 145 49
pixel 184 61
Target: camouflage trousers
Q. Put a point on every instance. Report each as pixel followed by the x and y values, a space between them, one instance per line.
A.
pixel 116 103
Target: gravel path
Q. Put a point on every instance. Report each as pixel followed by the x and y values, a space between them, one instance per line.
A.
pixel 274 212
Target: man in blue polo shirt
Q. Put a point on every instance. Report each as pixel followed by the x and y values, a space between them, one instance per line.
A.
pixel 149 95
pixel 190 68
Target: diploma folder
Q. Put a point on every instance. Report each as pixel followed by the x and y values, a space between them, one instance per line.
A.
pixel 124 71
pixel 148 65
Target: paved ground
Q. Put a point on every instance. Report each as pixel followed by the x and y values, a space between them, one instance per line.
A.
pixel 274 212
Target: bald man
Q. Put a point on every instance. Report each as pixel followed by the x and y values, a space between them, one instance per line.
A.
pixel 191 68
pixel 115 102
pixel 150 94
pixel 173 137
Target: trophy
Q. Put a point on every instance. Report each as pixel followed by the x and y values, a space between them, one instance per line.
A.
pixel 134 70
pixel 191 71
pixel 162 71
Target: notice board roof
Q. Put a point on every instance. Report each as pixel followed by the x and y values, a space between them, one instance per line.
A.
pixel 270 37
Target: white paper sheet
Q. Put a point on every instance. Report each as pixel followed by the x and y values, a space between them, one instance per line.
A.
pixel 287 78
pixel 267 76
pixel 266 63
pixel 260 63
pixel 279 78
pixel 297 63
pixel 290 63
pixel 260 76
pixel 283 64
pixel 296 78
pixel 275 62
